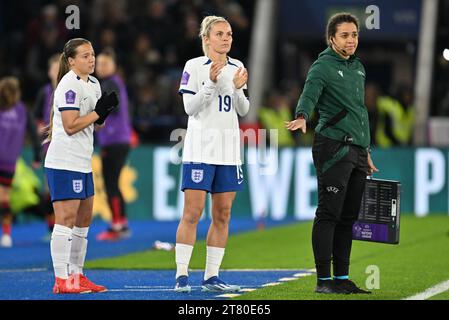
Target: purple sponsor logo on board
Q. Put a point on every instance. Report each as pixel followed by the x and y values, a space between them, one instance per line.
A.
pixel 370 231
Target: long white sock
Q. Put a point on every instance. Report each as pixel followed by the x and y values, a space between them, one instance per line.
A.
pixel 79 249
pixel 183 253
pixel 213 261
pixel 60 246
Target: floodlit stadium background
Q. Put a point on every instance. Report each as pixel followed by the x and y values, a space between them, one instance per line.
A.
pixel 404 46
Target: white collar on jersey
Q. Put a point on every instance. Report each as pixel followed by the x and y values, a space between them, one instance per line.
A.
pixel 229 62
pixel 79 78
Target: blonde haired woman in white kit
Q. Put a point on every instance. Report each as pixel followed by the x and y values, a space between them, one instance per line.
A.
pixel 213 87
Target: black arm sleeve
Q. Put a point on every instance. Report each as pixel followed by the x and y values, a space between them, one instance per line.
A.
pixel 35 142
pixel 389 130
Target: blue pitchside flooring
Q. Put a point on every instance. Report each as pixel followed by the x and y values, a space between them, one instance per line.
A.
pixel 26 270
pixel 133 284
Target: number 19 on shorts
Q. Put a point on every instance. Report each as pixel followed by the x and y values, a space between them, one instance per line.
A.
pixel 224 103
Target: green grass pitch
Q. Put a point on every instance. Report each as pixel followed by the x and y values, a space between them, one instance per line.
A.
pixel 420 261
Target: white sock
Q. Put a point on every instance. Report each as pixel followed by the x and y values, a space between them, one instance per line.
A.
pixel 60 246
pixel 213 261
pixel 78 251
pixel 183 253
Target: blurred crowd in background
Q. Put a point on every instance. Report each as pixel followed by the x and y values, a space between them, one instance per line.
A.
pixel 153 39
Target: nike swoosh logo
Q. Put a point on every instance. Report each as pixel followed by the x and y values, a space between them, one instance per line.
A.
pixel 240 182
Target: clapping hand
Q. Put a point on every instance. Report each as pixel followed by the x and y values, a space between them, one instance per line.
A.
pixel 240 78
pixel 215 70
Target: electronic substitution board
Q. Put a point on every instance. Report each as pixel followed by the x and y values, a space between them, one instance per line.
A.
pixel 379 212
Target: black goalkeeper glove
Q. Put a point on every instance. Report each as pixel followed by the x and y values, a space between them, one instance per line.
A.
pixel 105 105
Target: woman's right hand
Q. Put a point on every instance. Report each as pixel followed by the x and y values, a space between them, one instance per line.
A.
pixel 296 124
pixel 215 70
pixel 105 105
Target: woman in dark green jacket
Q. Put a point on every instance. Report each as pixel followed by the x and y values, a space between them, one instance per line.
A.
pixel 335 87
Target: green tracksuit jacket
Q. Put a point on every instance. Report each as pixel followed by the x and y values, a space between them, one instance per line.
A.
pixel 336 87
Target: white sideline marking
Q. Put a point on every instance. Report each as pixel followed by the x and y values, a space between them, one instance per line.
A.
pixel 154 287
pixel 252 270
pixel 299 275
pixel 169 287
pixel 287 279
pixel 140 290
pixel 430 292
pixel 228 295
pixel 248 290
pixel 271 284
pixel 23 270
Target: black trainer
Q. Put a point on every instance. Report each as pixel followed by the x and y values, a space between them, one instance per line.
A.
pixel 349 287
pixel 327 287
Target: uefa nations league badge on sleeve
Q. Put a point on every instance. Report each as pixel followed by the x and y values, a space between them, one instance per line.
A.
pixel 185 78
pixel 70 97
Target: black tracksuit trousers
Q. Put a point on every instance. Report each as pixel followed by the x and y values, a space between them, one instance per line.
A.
pixel 341 170
pixel 114 159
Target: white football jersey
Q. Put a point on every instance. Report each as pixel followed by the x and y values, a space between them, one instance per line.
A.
pixel 74 152
pixel 213 134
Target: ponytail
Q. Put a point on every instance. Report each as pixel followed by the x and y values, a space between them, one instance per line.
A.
pixel 63 69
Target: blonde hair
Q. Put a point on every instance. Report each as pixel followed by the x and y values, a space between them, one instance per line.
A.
pixel 69 51
pixel 206 26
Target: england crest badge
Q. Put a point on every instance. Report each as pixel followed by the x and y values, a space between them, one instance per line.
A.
pixel 77 186
pixel 197 176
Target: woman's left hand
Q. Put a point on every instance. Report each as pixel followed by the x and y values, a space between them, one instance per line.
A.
pixel 372 167
pixel 240 78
